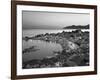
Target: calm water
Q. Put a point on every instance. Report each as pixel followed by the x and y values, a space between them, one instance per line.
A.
pixel 45 49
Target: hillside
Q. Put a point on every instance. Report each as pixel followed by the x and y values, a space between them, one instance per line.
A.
pixel 77 27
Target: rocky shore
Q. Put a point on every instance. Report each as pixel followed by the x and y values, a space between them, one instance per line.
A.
pixel 75 51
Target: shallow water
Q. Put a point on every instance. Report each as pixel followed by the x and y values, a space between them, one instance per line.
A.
pixel 45 49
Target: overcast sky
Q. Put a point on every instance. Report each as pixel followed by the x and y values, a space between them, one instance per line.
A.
pixel 52 20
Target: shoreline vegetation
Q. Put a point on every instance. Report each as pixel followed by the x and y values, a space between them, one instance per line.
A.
pixel 75 50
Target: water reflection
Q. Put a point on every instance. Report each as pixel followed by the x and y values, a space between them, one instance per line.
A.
pixel 44 49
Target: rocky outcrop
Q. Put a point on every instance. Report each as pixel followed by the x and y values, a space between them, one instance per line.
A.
pixel 75 51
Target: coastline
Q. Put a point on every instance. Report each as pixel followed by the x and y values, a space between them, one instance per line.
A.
pixel 75 44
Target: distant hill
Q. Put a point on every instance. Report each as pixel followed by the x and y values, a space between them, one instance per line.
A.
pixel 77 27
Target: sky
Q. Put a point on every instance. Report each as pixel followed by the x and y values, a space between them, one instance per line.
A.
pixel 52 20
